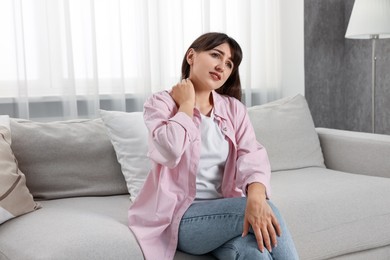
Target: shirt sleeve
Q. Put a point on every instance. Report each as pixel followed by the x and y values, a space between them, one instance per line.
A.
pixel 170 132
pixel 252 159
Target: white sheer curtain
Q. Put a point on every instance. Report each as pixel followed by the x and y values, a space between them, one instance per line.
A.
pixel 63 59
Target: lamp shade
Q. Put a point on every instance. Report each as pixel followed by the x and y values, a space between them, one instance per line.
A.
pixel 369 18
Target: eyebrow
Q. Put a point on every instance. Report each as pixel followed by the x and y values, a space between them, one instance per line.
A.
pixel 223 53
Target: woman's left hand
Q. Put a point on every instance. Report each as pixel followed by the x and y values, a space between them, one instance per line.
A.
pixel 259 215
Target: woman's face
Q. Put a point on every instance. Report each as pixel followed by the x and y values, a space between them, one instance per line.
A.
pixel 210 69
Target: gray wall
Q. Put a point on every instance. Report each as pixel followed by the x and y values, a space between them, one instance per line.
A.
pixel 338 70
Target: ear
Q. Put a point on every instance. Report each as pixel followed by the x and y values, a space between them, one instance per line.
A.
pixel 190 56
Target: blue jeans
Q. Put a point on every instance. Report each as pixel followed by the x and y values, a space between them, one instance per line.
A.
pixel 216 226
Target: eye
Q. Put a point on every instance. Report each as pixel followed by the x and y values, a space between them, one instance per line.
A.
pixel 229 65
pixel 215 54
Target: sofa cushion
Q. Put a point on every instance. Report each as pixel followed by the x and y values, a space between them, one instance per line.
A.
pixel 75 228
pixel 286 129
pixel 15 198
pixel 67 158
pixel 331 213
pixel 81 228
pixel 129 136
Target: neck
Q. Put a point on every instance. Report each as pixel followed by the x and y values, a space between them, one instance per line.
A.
pixel 204 101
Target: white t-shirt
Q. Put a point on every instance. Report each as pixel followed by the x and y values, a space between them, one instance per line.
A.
pixel 213 155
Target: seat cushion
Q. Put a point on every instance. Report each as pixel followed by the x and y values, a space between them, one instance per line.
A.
pixel 73 228
pixel 82 228
pixel 332 213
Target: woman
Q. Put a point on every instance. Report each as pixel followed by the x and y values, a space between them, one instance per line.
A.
pixel 209 187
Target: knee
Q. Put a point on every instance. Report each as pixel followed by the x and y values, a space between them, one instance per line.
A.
pixel 241 248
pixel 227 252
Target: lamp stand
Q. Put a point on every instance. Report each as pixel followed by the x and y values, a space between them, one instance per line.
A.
pixel 373 83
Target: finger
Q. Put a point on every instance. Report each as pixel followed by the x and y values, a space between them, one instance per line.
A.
pixel 245 228
pixel 177 87
pixel 266 238
pixel 189 82
pixel 259 239
pixel 173 90
pixel 276 225
pixel 272 235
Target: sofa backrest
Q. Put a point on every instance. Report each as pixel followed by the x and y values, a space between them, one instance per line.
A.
pixel 77 157
pixel 67 159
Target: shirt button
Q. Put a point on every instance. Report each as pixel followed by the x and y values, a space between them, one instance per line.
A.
pixel 224 129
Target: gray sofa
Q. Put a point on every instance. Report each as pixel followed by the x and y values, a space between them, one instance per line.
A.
pixel 332 187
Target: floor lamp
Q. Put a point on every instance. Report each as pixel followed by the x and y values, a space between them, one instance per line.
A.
pixel 370 19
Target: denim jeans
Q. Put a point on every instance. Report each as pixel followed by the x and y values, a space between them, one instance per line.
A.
pixel 216 226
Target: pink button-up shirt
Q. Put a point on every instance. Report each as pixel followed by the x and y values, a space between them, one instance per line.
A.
pixel 174 149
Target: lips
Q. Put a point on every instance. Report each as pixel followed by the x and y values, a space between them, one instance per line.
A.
pixel 215 75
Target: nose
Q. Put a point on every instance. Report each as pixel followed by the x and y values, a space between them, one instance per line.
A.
pixel 220 67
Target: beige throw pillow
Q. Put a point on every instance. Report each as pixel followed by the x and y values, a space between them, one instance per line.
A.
pixel 15 198
pixel 69 158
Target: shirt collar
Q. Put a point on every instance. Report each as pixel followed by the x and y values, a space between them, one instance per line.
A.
pixel 219 105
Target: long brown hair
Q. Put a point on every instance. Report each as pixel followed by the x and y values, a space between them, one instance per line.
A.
pixel 208 41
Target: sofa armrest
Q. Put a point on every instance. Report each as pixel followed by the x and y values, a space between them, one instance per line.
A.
pixel 355 152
